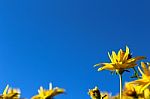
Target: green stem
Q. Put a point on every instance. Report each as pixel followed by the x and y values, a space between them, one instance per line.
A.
pixel 120 77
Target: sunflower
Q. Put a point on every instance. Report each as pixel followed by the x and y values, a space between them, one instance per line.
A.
pixel 144 82
pixel 48 94
pixel 131 90
pixel 120 62
pixel 96 94
pixel 10 93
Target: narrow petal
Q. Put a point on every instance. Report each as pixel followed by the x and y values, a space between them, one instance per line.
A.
pixel 119 55
pixel 41 91
pixel 130 60
pixel 114 56
pixel 5 90
pixel 101 64
pixel 97 64
pixel 50 86
pixel 139 82
pixel 107 67
pixel 126 54
pixel 140 71
pixel 145 69
pixel 57 91
pixel 139 58
pixel 111 59
pixel 143 88
pixel 134 59
pixel 145 76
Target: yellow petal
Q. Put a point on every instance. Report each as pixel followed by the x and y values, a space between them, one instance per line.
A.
pixel 126 54
pixel 57 91
pixel 114 56
pixel 5 90
pixel 145 69
pixel 111 59
pixel 139 82
pixel 119 55
pixel 140 71
pixel 41 91
pixel 107 67
pixel 142 89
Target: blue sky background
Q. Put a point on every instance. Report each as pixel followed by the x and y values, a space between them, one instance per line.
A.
pixel 59 41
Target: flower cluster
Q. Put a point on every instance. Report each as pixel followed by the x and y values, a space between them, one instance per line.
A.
pixel 121 62
pixel 10 93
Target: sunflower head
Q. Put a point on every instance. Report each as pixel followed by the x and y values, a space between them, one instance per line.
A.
pixel 10 93
pixel 94 93
pixel 120 61
pixel 48 94
pixel 144 81
pixel 134 91
pixel 129 90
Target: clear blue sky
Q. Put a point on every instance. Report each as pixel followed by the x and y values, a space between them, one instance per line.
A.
pixel 59 41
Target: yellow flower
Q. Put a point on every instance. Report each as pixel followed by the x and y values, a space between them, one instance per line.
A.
pixel 96 94
pixel 10 93
pixel 144 82
pixel 48 94
pixel 119 62
pixel 133 91
pixel 129 90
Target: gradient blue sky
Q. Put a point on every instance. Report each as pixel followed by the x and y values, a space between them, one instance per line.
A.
pixel 59 41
